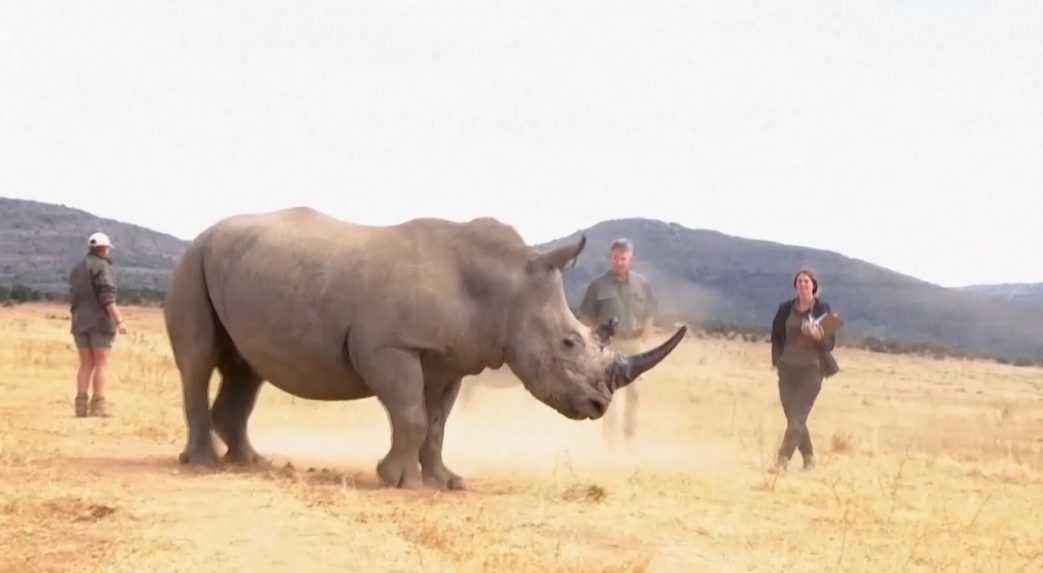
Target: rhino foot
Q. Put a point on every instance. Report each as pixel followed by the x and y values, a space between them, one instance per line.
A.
pixel 398 474
pixel 244 456
pixel 442 478
pixel 202 457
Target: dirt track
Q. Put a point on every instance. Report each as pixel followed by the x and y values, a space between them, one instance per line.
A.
pixel 924 465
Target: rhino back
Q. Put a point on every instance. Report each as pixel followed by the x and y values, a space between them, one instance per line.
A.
pixel 299 292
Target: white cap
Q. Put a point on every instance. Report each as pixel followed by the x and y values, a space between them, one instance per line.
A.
pixel 99 240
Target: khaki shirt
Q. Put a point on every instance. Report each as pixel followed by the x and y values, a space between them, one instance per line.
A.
pixel 630 300
pixel 92 287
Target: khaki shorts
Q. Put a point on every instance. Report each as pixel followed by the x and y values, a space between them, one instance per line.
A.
pixel 94 339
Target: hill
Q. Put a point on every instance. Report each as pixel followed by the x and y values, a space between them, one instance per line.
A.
pixel 1023 293
pixel 41 242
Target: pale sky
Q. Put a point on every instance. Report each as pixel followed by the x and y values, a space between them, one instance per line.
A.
pixel 908 134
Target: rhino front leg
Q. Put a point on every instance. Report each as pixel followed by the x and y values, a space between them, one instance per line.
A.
pixel 440 400
pixel 395 377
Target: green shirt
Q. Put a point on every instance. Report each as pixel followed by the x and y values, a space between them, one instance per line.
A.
pixel 630 300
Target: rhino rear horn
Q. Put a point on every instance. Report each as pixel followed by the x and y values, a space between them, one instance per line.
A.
pixel 628 368
pixel 562 256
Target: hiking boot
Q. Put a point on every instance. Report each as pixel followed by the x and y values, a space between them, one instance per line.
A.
pixel 81 405
pixel 99 407
pixel 809 463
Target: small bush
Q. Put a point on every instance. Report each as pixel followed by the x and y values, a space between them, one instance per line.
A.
pixel 842 443
pixel 585 492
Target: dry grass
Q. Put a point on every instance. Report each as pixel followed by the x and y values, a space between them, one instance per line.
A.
pixel 924 465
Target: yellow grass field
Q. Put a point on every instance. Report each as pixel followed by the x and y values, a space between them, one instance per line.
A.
pixel 924 465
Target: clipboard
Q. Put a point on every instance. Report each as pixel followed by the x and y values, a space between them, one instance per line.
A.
pixel 830 323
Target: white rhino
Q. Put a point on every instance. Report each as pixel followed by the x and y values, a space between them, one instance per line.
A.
pixel 329 310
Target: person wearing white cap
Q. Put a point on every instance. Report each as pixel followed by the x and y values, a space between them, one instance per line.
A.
pixel 95 322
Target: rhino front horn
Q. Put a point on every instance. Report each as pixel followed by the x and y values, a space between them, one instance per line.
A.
pixel 628 368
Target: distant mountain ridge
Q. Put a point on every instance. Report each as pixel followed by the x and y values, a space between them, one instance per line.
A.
pixel 699 275
pixel 41 242
pixel 1022 293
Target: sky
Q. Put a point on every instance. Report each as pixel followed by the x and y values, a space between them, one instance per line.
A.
pixel 907 134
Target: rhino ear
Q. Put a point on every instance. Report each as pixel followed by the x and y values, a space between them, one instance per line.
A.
pixel 562 256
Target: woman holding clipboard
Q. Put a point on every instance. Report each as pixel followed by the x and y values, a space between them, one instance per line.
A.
pixel 802 338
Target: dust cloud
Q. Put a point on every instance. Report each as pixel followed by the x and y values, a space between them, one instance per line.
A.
pixel 499 428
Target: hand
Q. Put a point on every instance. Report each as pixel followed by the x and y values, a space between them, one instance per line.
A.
pixel 121 327
pixel 605 332
pixel 815 331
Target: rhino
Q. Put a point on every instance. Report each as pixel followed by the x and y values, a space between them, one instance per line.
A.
pixel 329 310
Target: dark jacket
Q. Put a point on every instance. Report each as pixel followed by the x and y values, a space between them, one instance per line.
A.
pixel 778 331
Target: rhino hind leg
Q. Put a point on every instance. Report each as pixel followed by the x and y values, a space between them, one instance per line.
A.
pixel 233 406
pixel 194 337
pixel 440 399
pixel 395 377
pixel 195 383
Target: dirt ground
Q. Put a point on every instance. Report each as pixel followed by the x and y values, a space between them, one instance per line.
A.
pixel 924 465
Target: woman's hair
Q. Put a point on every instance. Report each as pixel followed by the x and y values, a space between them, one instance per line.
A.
pixel 811 275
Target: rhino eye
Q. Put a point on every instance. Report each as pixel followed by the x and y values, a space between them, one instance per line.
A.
pixel 570 342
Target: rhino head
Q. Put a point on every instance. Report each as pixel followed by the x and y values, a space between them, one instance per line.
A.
pixel 561 361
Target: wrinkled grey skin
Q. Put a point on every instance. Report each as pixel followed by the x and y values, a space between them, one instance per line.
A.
pixel 329 310
pixel 603 333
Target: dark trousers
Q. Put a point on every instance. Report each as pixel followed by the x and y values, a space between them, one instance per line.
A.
pixel 798 388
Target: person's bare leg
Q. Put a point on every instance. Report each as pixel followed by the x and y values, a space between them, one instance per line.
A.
pixel 83 374
pixel 101 371
pixel 83 380
pixel 99 381
pixel 609 422
pixel 630 411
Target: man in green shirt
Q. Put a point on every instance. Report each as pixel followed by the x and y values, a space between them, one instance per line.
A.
pixel 627 296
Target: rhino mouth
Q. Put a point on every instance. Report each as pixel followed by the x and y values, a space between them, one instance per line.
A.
pixel 587 408
pixel 590 400
pixel 592 404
